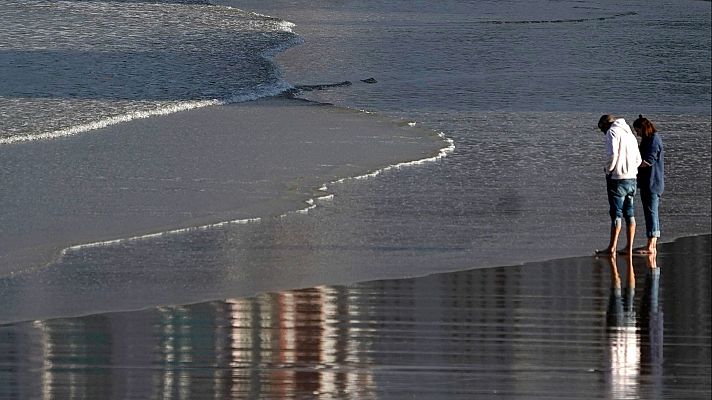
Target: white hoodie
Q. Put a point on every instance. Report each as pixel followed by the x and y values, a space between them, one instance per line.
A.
pixel 622 151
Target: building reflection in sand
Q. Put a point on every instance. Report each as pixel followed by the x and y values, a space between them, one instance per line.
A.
pixel 514 332
pixel 282 345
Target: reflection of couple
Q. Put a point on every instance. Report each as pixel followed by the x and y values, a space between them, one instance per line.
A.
pixel 628 166
pixel 621 300
pixel 635 340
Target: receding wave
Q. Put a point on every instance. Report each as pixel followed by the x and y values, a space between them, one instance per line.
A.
pixel 102 123
pixel 63 76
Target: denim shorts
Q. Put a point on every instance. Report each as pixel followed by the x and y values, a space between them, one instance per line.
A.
pixel 621 196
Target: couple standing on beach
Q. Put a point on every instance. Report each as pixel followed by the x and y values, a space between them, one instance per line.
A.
pixel 630 166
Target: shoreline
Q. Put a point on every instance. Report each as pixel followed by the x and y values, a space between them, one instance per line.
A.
pixel 257 292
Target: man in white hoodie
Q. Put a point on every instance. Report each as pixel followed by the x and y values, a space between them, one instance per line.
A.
pixel 622 160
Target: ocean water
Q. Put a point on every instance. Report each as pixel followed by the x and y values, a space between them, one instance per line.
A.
pixel 73 66
pixel 460 57
pixel 517 86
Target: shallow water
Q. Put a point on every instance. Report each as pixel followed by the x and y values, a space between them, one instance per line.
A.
pixel 557 329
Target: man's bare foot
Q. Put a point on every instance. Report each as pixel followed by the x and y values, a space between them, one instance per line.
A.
pixel 605 252
pixel 625 251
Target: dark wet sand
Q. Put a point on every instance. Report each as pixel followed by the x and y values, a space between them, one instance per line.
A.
pixel 556 329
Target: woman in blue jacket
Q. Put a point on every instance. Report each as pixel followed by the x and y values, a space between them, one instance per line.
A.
pixel 650 180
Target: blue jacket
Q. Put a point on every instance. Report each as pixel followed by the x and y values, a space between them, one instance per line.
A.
pixel 652 178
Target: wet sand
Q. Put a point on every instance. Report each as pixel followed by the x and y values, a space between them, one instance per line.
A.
pixel 186 170
pixel 556 329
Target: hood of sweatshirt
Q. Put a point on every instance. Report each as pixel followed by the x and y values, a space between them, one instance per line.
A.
pixel 620 127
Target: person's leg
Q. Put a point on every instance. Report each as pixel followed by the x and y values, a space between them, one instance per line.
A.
pixel 613 240
pixel 615 210
pixel 646 200
pixel 630 236
pixel 654 230
pixel 652 247
pixel 628 211
pixel 652 225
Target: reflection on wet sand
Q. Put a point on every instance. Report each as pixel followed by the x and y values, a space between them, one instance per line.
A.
pixel 557 328
pixel 635 340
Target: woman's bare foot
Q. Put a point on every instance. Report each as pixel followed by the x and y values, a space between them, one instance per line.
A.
pixel 644 251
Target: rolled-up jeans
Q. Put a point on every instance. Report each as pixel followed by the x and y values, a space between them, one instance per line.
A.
pixel 621 196
pixel 651 202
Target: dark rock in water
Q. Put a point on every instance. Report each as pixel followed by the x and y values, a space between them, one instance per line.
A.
pixel 369 80
pixel 309 88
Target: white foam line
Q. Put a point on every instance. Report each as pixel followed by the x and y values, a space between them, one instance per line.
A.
pixel 161 234
pixel 312 203
pixel 106 122
pixel 301 211
pixel 441 154
pixel 286 26
pixel 444 152
pixel 103 123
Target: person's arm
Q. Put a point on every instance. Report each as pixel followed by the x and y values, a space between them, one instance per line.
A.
pixel 612 144
pixel 650 154
pixel 638 157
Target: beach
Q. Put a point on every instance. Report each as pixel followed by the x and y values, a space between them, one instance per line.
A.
pixel 555 329
pixel 349 200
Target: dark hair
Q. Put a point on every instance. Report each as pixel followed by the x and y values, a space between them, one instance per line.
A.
pixel 645 126
pixel 606 121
